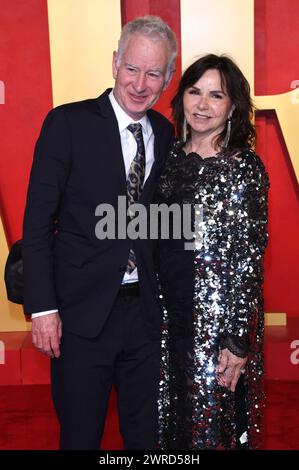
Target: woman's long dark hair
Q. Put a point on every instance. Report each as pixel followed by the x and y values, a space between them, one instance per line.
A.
pixel 243 134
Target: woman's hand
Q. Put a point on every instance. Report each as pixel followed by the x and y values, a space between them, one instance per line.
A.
pixel 229 369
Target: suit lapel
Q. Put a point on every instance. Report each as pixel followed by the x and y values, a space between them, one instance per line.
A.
pixel 158 149
pixel 112 137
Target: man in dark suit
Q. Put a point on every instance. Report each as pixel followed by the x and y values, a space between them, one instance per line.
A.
pixel 94 302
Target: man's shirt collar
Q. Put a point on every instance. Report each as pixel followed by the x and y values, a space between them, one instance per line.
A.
pixel 124 120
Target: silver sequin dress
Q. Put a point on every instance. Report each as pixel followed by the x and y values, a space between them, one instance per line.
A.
pixel 212 298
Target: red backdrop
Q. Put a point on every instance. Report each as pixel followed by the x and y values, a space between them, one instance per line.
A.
pixel 276 66
pixel 25 70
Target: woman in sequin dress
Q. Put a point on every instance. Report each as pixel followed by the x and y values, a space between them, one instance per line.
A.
pixel 212 347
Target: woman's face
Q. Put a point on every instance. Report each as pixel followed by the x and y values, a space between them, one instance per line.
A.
pixel 207 105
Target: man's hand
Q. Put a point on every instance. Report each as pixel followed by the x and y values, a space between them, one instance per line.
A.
pixel 46 334
pixel 229 369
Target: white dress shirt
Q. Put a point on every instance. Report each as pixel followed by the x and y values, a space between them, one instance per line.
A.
pixel 129 149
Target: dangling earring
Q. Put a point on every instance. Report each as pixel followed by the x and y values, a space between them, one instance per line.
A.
pixel 229 127
pixel 184 133
pixel 228 131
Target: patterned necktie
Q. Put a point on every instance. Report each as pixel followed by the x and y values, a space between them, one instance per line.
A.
pixel 135 180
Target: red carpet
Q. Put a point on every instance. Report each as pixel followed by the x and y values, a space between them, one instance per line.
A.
pixel 28 420
pixel 282 415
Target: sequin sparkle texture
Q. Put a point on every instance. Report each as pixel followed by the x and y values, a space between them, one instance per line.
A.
pixel 212 299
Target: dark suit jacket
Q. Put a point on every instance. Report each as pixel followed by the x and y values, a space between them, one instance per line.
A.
pixel 77 165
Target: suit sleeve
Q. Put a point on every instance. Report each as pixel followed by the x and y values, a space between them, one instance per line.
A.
pixel 49 173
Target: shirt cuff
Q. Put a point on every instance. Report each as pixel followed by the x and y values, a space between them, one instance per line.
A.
pixel 41 314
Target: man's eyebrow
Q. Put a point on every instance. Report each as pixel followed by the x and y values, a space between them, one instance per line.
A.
pixel 131 65
pixel 127 64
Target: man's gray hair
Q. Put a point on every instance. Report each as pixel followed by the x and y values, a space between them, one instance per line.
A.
pixel 156 29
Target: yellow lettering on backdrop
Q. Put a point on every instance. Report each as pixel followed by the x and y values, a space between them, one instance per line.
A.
pixel 228 28
pixel 83 35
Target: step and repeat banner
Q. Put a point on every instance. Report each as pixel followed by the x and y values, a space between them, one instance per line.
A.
pixel 57 51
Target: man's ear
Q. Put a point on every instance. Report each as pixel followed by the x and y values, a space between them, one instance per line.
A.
pixel 114 64
pixel 169 79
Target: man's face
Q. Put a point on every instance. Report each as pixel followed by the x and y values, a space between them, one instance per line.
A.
pixel 140 77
